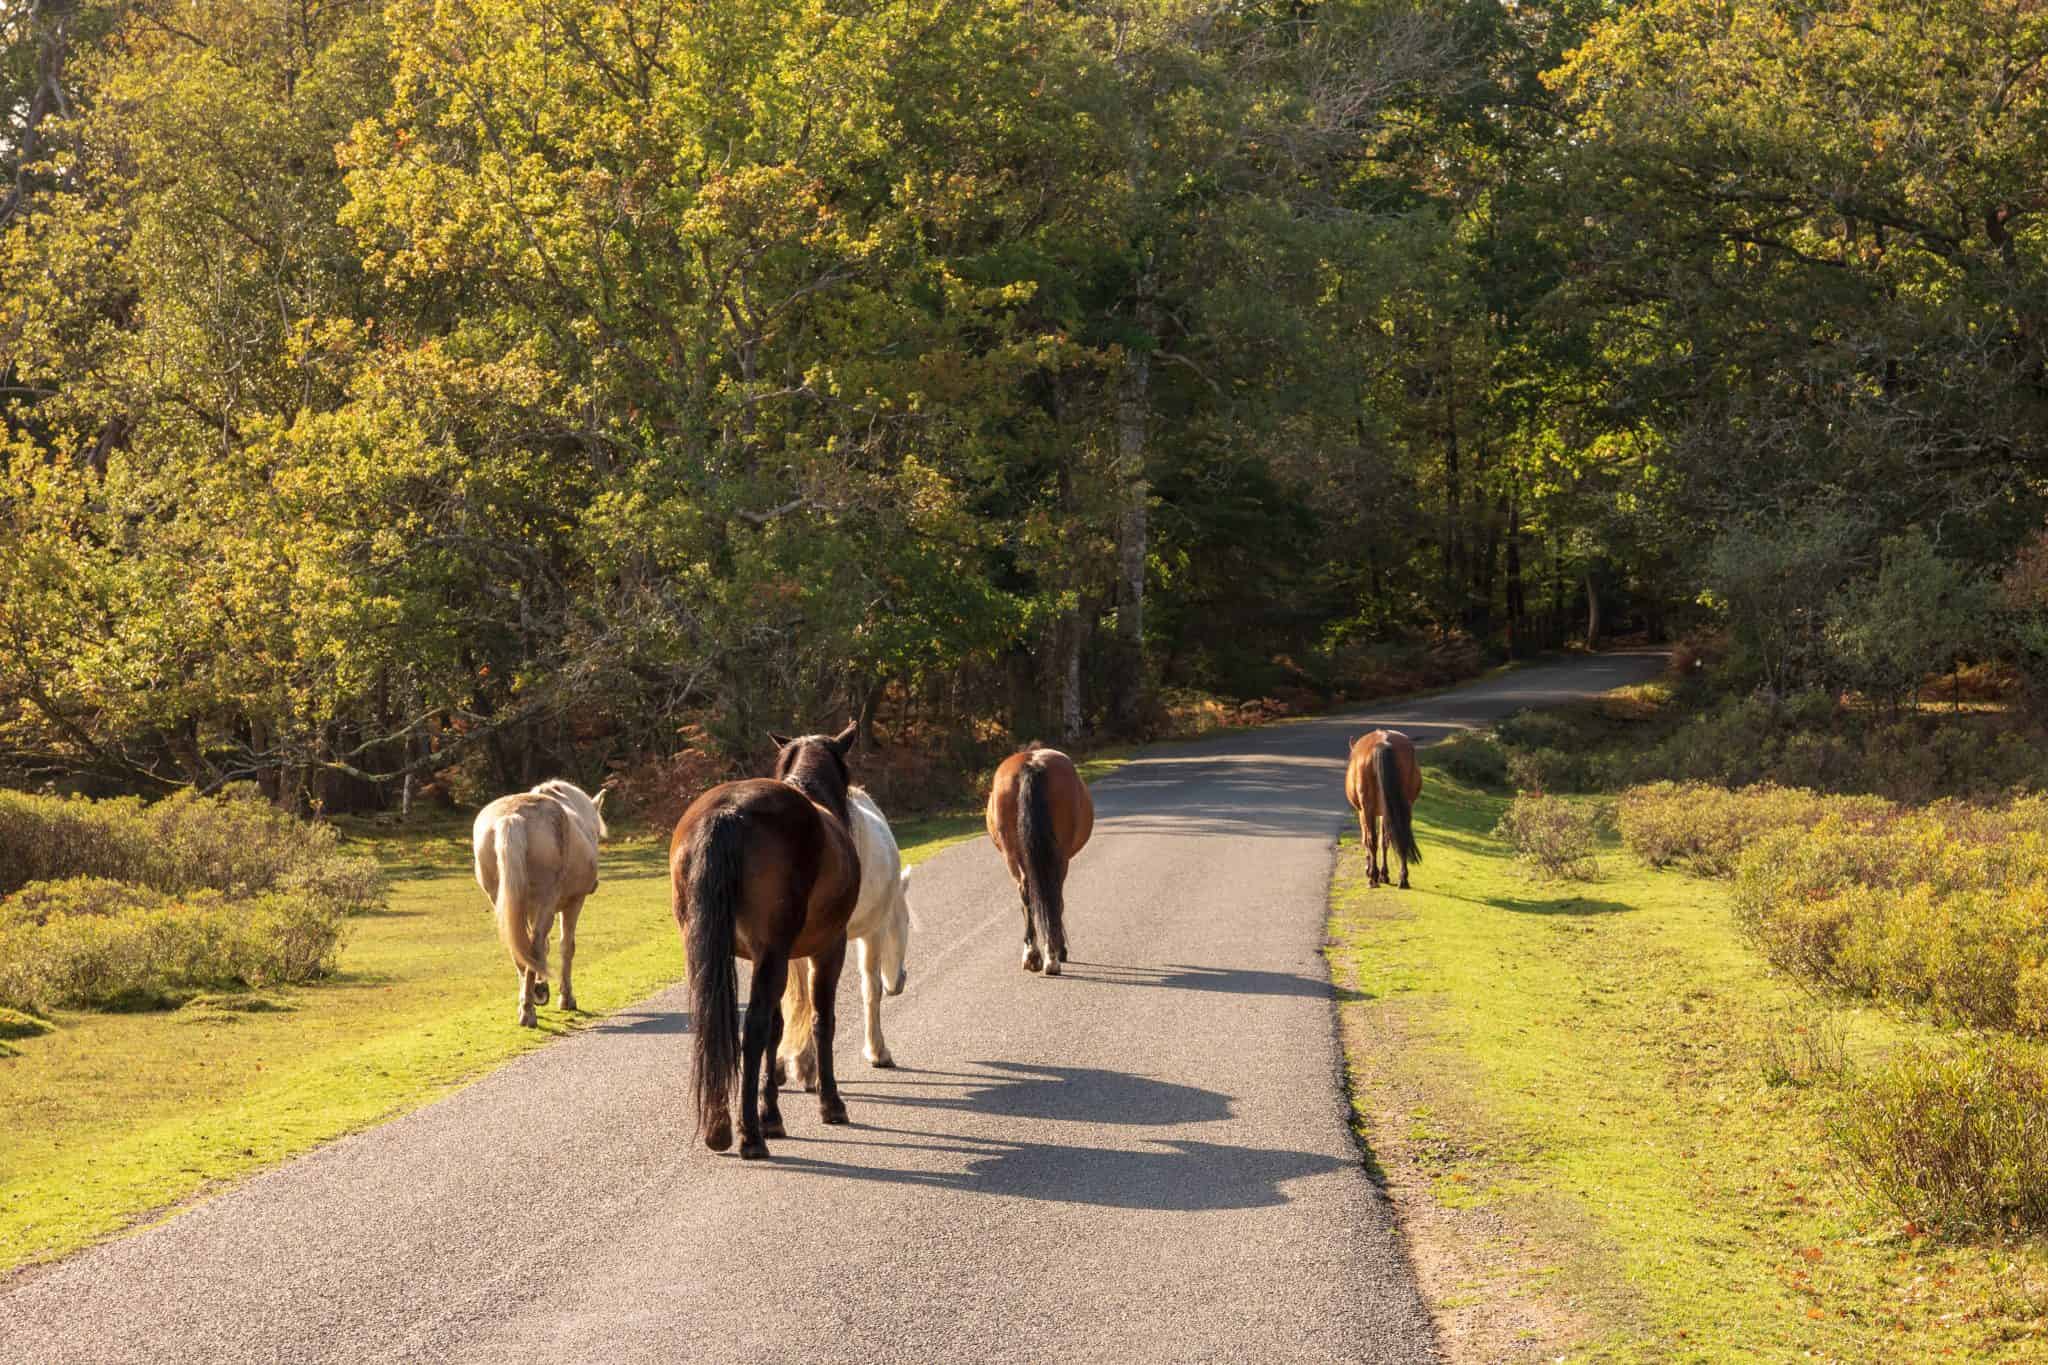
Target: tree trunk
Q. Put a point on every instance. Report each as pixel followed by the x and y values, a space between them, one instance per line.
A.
pixel 1073 634
pixel 1592 611
pixel 1454 557
pixel 1133 420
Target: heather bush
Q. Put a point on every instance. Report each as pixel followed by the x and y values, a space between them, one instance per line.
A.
pixel 1956 1138
pixel 1944 909
pixel 1473 757
pixel 81 947
pixel 118 904
pixel 1554 837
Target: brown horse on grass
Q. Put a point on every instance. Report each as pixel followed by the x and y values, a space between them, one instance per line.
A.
pixel 1381 784
pixel 766 870
pixel 1040 816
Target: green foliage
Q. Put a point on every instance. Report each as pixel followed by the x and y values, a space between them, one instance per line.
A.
pixel 1473 757
pixel 1943 909
pixel 118 904
pixel 1915 617
pixel 89 943
pixel 237 844
pixel 1705 829
pixel 1552 836
pixel 1955 1137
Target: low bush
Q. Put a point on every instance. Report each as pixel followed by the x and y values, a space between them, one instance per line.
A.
pixel 1704 829
pixel 1553 836
pixel 79 944
pixel 1957 1138
pixel 1472 757
pixel 236 843
pixel 121 905
pixel 1944 909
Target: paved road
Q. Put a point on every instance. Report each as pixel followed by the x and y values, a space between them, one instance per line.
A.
pixel 1146 1159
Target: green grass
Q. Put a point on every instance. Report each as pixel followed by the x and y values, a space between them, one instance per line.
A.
pixel 1609 1068
pixel 109 1119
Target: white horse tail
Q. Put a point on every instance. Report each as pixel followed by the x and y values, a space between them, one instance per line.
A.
pixel 799 1020
pixel 513 926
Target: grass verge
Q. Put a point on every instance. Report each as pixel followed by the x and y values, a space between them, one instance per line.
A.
pixel 108 1120
pixel 1605 1122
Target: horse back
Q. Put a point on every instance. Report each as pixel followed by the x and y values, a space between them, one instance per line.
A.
pixel 1359 788
pixel 561 859
pixel 1073 809
pixel 801 874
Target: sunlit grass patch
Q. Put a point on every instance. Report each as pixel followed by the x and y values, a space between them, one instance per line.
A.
pixel 1609 1067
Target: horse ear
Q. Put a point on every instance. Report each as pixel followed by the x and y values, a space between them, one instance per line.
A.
pixel 844 739
pixel 602 793
pixel 779 741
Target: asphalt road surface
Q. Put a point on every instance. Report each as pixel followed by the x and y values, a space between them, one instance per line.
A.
pixel 1145 1159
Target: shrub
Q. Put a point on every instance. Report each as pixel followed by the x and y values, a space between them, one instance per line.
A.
pixel 1944 909
pixel 76 945
pixel 236 843
pixel 1705 829
pixel 1473 757
pixel 1553 836
pixel 1957 1138
pixel 117 904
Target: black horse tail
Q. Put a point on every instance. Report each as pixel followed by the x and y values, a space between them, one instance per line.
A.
pixel 716 864
pixel 1043 876
pixel 1394 801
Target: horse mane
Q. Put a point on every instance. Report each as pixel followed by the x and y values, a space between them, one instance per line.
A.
pixel 811 765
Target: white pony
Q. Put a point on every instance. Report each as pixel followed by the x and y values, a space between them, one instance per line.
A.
pixel 536 856
pixel 879 930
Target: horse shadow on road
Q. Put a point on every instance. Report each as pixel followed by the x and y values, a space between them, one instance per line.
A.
pixel 1072 1094
pixel 1229 980
pixel 1180 1174
pixel 1168 1174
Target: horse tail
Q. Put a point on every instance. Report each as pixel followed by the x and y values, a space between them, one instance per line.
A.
pixel 716 869
pixel 511 908
pixel 1394 801
pixel 1040 849
pixel 799 1017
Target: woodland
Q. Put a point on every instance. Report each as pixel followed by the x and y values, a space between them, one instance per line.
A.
pixel 398 391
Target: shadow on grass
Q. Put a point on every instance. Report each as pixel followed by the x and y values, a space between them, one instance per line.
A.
pixel 1557 905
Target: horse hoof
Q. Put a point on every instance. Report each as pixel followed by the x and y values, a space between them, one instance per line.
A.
pixel 771 1126
pixel 1063 954
pixel 1032 961
pixel 719 1136
pixel 528 1019
pixel 569 1005
pixel 753 1149
pixel 1052 967
pixel 833 1113
pixel 540 992
pixel 884 1062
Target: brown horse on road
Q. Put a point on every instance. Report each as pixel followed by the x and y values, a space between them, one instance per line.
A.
pixel 1040 816
pixel 1381 784
pixel 766 870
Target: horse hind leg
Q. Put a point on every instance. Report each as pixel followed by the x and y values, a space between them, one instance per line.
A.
pixel 569 914
pixel 825 1000
pixel 527 1017
pixel 771 1087
pixel 764 999
pixel 871 989
pixel 543 930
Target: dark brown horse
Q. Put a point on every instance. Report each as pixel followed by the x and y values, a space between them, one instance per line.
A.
pixel 764 870
pixel 1039 816
pixel 1381 784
